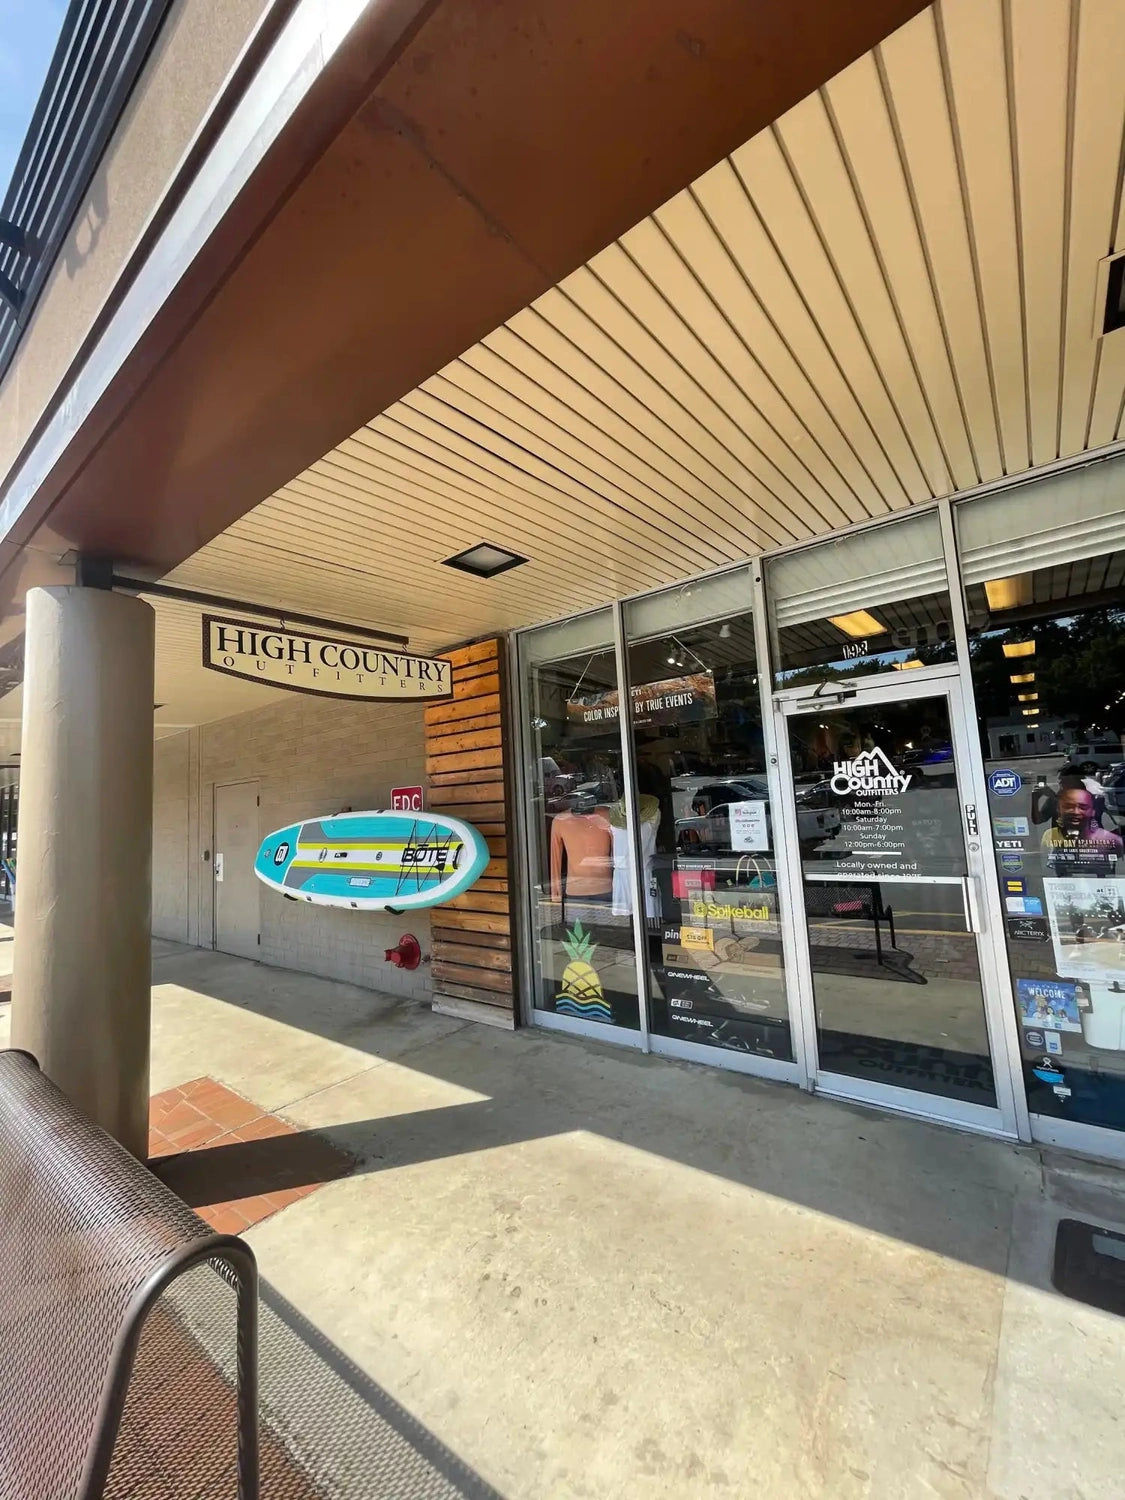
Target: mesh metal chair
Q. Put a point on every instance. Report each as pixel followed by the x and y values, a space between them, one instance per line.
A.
pixel 128 1327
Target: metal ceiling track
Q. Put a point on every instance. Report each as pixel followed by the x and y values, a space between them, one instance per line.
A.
pixel 285 617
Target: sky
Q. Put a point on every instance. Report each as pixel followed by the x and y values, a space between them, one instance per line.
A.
pixel 29 30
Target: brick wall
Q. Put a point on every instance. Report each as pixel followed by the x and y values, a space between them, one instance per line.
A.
pixel 310 756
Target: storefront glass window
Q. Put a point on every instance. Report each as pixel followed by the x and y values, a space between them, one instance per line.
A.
pixel 1044 570
pixel 583 951
pixel 872 601
pixel 705 822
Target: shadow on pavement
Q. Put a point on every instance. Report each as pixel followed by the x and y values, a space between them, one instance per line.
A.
pixel 941 1190
pixel 352 1438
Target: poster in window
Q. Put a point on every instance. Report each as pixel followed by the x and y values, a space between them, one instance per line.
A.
pixel 749 833
pixel 1087 920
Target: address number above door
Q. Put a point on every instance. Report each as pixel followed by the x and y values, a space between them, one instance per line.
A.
pixel 303 663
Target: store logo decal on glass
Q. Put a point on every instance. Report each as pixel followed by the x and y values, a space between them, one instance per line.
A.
pixel 872 772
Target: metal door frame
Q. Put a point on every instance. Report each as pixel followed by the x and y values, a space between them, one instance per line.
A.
pixel 1009 1117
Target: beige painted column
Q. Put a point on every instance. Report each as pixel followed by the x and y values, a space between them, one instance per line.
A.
pixel 80 992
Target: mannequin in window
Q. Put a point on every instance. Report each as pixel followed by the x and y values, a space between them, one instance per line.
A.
pixel 581 856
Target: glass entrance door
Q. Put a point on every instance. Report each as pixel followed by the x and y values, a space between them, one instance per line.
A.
pixel 891 894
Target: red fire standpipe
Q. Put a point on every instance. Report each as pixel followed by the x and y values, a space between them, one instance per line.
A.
pixel 408 954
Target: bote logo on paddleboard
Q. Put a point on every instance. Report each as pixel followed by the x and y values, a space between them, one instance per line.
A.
pixel 869 772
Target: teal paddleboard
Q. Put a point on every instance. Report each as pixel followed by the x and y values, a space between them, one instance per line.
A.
pixel 373 861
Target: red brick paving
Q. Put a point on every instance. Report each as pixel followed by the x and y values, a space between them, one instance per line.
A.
pixel 235 1163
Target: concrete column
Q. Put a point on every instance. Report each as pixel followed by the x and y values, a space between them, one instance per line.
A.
pixel 81 983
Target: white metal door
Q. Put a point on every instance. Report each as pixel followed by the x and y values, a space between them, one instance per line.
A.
pixel 896 916
pixel 237 836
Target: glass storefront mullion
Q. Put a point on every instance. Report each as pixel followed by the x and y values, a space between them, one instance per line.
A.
pixel 1003 1035
pixel 636 866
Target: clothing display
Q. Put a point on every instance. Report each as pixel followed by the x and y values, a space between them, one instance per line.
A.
pixel 581 855
pixel 649 810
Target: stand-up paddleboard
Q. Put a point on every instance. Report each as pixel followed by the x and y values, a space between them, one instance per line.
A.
pixel 373 861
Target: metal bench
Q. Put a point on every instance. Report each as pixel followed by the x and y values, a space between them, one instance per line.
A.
pixel 128 1327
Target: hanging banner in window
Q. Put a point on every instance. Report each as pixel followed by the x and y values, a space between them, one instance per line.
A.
pixel 303 663
pixel 675 700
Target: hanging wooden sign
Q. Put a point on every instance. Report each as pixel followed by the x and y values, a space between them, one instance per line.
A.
pixel 304 663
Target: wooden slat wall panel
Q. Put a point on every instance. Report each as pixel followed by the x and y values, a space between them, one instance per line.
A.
pixel 471 937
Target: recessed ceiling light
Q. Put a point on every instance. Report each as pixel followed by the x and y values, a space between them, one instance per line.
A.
pixel 1031 713
pixel 1008 593
pixel 1022 677
pixel 907 666
pixel 1113 315
pixel 485 560
pixel 858 624
pixel 1028 697
pixel 1019 648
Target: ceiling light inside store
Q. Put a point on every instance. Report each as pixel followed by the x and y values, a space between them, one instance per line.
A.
pixel 1019 648
pixel 1031 713
pixel 485 560
pixel 1008 593
pixel 858 624
pixel 1028 697
pixel 1022 677
pixel 906 666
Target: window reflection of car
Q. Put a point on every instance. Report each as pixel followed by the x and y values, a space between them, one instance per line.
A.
pixel 928 755
pixel 1113 781
pixel 705 822
pixel 567 791
pixel 1094 754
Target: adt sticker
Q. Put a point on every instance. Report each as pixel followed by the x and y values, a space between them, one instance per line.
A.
pixel 1004 783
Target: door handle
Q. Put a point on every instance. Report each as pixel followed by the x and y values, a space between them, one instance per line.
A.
pixel 971 900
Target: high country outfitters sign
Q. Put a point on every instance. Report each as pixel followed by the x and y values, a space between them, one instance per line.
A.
pixel 870 773
pixel 304 663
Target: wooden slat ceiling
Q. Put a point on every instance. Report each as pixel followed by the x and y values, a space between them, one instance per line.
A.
pixel 886 296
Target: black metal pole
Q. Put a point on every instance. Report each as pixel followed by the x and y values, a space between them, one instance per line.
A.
pixel 268 611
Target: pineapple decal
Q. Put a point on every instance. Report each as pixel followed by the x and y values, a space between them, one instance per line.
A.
pixel 582 993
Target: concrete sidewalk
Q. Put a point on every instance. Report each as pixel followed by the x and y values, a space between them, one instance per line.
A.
pixel 595 1274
